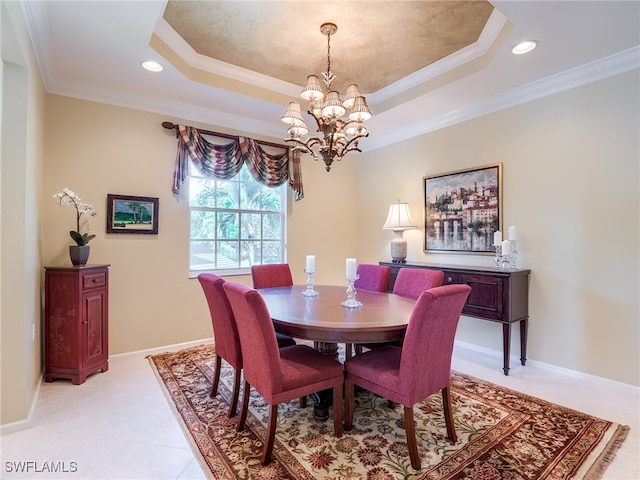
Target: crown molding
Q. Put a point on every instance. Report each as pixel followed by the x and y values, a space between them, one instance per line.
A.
pixel 606 67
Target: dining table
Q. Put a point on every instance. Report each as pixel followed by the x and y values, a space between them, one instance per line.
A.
pixel 383 317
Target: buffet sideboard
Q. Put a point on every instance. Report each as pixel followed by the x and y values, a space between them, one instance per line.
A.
pixel 497 295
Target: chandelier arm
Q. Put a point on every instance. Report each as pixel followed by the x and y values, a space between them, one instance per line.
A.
pixel 300 143
pixel 311 141
pixel 349 148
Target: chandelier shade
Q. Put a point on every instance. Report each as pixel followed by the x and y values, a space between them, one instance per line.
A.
pixel 312 90
pixel 337 136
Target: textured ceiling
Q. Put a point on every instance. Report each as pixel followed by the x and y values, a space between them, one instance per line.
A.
pixel 377 43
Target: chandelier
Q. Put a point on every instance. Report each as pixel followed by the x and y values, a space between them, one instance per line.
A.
pixel 339 135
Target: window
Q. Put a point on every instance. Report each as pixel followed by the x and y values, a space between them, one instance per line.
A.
pixel 235 223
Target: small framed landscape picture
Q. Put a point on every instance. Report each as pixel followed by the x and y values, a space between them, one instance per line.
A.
pixel 462 210
pixel 129 214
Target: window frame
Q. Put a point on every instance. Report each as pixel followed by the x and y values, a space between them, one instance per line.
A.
pixel 282 213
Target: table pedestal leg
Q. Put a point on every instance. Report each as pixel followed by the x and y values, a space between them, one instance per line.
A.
pixel 324 399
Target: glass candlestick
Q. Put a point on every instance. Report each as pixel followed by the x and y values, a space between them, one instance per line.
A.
pixel 514 255
pixel 498 257
pixel 351 301
pixel 310 292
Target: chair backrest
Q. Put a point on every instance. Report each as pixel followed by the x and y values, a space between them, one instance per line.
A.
pixel 225 333
pixel 260 353
pixel 425 365
pixel 373 277
pixel 271 275
pixel 411 282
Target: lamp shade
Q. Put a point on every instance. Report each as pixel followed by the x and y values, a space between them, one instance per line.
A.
pixel 293 116
pixel 349 98
pixel 312 89
pixel 399 217
pixel 360 111
pixel 332 106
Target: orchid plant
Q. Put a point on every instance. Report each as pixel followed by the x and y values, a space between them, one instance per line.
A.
pixel 69 197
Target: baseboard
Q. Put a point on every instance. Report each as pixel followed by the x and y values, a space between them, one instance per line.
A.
pixel 166 348
pixel 605 382
pixel 27 422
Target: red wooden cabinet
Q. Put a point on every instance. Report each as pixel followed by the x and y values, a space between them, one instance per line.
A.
pixel 76 322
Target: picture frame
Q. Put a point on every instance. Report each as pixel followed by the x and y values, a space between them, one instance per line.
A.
pixel 132 214
pixel 462 210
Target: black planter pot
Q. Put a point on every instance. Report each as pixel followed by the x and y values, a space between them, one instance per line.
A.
pixel 79 254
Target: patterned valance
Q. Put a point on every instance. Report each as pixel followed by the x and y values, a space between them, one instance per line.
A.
pixel 225 161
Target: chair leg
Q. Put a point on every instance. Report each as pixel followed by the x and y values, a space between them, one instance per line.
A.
pixel 216 377
pixel 410 429
pixel 245 406
pixel 358 349
pixel 234 396
pixel 271 434
pixel 349 401
pixel 303 401
pixel 448 415
pixel 337 410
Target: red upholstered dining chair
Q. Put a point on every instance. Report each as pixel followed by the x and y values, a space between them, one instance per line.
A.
pixel 271 275
pixel 373 277
pixel 225 335
pixel 420 368
pixel 411 282
pixel 279 375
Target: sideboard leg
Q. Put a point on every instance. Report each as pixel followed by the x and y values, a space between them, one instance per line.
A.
pixel 524 326
pixel 506 346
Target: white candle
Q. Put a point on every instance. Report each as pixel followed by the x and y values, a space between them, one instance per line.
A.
pixel 351 269
pixel 513 233
pixel 506 247
pixel 497 238
pixel 311 264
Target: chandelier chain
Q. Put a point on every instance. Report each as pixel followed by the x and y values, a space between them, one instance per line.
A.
pixel 329 53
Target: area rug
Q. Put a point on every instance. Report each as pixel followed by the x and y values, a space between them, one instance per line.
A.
pixel 502 434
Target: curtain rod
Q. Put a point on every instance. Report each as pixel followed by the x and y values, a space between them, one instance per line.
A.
pixel 172 126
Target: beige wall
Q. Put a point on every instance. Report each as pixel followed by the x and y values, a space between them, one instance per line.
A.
pixel 21 154
pixel 95 149
pixel 571 183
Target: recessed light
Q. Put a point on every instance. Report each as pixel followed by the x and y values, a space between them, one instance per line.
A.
pixel 152 66
pixel 524 47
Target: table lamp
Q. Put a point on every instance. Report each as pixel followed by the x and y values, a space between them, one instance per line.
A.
pixel 399 220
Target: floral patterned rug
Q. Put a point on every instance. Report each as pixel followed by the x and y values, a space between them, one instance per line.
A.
pixel 502 434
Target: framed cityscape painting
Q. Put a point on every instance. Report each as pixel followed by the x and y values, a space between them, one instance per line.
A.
pixel 129 214
pixel 462 210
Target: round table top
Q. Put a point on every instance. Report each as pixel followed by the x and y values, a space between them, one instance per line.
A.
pixel 383 316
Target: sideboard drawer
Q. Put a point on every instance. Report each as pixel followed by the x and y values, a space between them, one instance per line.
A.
pixel 450 278
pixel 485 298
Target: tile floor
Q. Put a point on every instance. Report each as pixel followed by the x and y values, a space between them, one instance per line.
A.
pixel 118 425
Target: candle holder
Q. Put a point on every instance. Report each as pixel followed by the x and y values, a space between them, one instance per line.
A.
pixel 310 292
pixel 497 259
pixel 351 301
pixel 514 255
